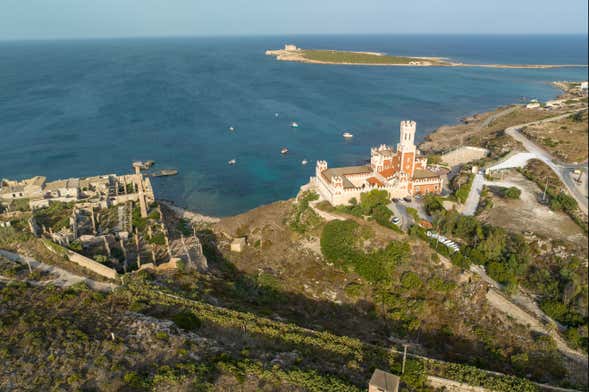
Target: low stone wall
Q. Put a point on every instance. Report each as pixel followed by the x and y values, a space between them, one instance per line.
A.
pixel 92 265
pixel 82 261
pixel 453 386
pixel 463 155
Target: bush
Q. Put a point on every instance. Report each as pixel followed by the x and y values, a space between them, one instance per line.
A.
pixel 512 193
pixel 410 280
pixel 187 321
pixel 338 241
pixel 464 190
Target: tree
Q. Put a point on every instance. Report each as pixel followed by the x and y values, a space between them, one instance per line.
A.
pixel 369 200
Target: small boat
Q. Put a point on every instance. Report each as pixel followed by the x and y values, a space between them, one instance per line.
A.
pixel 231 162
pixel 163 173
pixel 276 114
pixel 294 124
pixel 231 129
pixel 347 135
pixel 284 150
pixel 304 162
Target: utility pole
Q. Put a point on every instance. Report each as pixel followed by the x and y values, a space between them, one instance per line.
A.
pixel 404 358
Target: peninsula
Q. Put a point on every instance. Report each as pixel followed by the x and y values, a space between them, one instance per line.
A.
pixel 321 56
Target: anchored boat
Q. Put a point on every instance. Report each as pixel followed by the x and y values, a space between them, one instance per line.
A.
pixel 232 162
pixel 347 135
pixel 284 151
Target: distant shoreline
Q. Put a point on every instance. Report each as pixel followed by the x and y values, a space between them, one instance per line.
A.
pixel 337 57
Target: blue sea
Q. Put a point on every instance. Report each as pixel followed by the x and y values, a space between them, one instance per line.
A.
pixel 86 107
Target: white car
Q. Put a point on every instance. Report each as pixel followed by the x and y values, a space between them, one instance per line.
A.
pixel 396 220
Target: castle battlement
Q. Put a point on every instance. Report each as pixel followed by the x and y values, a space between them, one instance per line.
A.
pixel 401 172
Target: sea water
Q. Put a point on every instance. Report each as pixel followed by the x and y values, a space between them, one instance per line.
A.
pixel 86 107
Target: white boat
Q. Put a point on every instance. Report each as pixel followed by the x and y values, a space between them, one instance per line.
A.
pixel 284 150
pixel 231 129
pixel 276 114
pixel 304 162
pixel 294 124
pixel 232 162
pixel 347 135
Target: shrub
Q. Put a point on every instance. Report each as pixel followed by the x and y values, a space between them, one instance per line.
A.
pixel 410 280
pixel 512 193
pixel 187 321
pixel 338 240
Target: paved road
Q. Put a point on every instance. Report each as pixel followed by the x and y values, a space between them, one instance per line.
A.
pixel 474 196
pixel 562 170
pixel 64 278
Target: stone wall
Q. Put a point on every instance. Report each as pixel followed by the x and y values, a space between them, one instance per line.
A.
pixel 452 386
pixel 463 155
pixel 92 265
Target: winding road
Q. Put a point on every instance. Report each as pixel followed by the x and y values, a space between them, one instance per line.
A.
pixel 562 170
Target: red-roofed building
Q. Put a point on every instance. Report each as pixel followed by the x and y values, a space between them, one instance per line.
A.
pixel 401 171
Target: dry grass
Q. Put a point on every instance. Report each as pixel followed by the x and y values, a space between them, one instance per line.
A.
pixel 566 139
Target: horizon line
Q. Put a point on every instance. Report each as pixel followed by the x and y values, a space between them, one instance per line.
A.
pixel 251 35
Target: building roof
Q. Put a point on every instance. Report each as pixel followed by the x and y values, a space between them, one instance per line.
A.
pixel 422 173
pixel 387 173
pixel 387 152
pixel 37 180
pixel 59 184
pixel 374 181
pixel 385 381
pixel 12 189
pixel 346 171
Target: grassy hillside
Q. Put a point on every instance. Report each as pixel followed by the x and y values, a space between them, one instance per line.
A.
pixel 335 56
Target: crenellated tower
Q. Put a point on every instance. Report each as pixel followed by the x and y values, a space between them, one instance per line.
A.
pixel 406 147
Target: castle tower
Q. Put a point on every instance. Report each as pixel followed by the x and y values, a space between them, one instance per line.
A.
pixel 406 147
pixel 320 167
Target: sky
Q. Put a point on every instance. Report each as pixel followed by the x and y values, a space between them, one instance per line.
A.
pixel 49 19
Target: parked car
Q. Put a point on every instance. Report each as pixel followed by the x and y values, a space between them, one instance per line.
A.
pixel 396 220
pixel 407 199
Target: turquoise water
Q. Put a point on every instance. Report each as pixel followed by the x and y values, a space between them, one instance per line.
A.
pixel 79 108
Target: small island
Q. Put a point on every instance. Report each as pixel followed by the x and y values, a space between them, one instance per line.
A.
pixel 341 57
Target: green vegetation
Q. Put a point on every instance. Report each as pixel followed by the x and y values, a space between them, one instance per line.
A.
pixel 433 204
pixel 302 217
pixel 56 216
pixel 347 358
pixel 138 222
pixel 463 190
pixel 512 192
pixel 373 204
pixel 335 56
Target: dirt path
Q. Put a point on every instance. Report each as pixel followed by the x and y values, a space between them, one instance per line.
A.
pixel 64 278
pixel 504 305
pixel 325 215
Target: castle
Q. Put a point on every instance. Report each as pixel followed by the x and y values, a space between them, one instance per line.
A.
pixel 401 173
